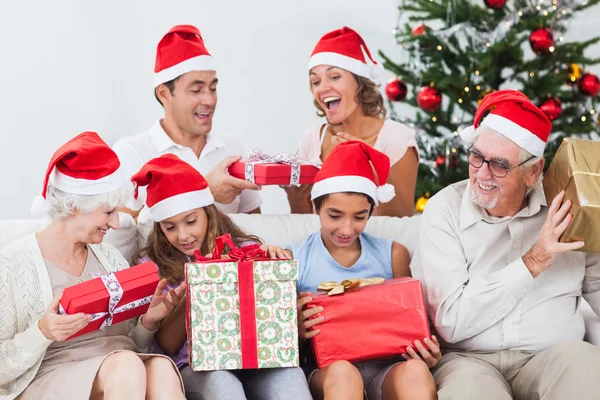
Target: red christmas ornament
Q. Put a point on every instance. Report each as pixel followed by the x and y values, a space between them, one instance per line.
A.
pixel 419 30
pixel 396 90
pixel 541 40
pixel 429 99
pixel 589 84
pixel 454 161
pixel 495 4
pixel 440 160
pixel 551 107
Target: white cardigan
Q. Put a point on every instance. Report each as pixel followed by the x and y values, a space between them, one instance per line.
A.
pixel 25 292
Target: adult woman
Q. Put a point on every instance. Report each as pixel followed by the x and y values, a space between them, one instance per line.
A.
pixel 84 185
pixel 342 75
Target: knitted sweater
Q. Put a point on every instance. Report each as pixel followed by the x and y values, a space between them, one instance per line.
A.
pixel 25 292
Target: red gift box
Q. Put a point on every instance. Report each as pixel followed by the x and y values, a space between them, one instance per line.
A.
pixel 281 169
pixel 136 284
pixel 370 322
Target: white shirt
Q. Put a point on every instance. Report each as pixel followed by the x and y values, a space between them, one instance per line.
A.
pixel 135 151
pixel 480 294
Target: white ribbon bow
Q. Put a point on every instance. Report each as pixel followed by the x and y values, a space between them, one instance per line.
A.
pixel 259 157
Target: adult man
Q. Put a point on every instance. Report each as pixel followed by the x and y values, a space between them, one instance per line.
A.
pixel 502 292
pixel 185 84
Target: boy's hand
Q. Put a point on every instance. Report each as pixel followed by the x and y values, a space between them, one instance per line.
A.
pixel 305 320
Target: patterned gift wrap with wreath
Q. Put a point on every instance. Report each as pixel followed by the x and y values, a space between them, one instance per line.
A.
pixel 242 314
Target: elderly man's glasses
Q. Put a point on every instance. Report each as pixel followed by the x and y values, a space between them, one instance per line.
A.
pixel 497 168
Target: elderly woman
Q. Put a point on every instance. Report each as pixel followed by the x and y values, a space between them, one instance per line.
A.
pixel 342 81
pixel 83 187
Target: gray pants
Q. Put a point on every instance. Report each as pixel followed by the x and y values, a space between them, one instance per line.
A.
pixel 569 370
pixel 259 384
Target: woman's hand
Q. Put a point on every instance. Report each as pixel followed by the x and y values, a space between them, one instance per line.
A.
pixel 162 304
pixel 299 198
pixel 305 320
pixel 275 251
pixel 59 327
pixel 430 354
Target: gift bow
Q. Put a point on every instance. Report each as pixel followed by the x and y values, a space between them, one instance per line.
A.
pixel 260 157
pixel 333 288
pixel 245 253
pixel 115 291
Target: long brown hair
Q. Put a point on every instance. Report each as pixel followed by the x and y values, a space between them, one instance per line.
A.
pixel 367 96
pixel 171 261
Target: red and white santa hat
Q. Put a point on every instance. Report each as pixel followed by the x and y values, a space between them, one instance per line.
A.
pixel 84 165
pixel 349 168
pixel 515 117
pixel 345 48
pixel 173 187
pixel 181 50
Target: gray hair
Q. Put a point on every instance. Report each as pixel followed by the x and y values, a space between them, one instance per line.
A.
pixel 523 154
pixel 64 204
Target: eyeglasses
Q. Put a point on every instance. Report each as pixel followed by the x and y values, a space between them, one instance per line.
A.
pixel 496 168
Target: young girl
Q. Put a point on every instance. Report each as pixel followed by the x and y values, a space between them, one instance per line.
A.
pixel 179 200
pixel 344 195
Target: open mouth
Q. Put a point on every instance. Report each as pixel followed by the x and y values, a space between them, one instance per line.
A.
pixel 487 187
pixel 189 245
pixel 332 103
pixel 344 239
pixel 203 115
pixel 102 231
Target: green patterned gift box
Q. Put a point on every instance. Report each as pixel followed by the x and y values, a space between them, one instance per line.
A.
pixel 242 314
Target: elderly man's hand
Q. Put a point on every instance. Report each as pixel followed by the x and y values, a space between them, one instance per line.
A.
pixel 224 187
pixel 544 251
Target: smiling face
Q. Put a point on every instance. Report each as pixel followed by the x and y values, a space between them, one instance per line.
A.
pixel 91 227
pixel 192 103
pixel 186 231
pixel 500 196
pixel 343 218
pixel 335 91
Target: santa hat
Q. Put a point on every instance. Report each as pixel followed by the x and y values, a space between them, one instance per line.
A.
pixel 181 50
pixel 84 165
pixel 515 117
pixel 345 48
pixel 348 169
pixel 174 186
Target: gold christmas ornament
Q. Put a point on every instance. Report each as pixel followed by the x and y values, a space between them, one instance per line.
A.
pixel 575 72
pixel 421 203
pixel 483 94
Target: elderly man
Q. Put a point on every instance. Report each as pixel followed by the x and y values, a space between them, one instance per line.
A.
pixel 502 291
pixel 185 84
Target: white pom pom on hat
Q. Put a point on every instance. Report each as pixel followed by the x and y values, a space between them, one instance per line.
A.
pixel 349 168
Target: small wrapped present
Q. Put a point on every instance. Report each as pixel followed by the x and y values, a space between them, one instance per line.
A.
pixel 112 298
pixel 281 169
pixel 576 170
pixel 241 310
pixel 367 320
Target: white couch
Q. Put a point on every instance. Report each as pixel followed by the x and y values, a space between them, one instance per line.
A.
pixel 273 229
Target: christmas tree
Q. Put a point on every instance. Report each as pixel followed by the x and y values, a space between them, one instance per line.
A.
pixel 477 47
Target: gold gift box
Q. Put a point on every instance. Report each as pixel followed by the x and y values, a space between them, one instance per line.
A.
pixel 576 170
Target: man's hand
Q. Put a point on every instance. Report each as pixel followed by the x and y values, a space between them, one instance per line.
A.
pixel 224 187
pixel 543 253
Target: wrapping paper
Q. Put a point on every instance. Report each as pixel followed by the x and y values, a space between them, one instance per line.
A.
pixel 112 298
pixel 576 170
pixel 241 311
pixel 370 322
pixel 281 169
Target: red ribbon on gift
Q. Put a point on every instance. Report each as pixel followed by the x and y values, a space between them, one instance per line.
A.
pixel 245 257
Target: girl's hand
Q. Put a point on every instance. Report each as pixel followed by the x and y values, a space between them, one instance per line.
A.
pixel 275 251
pixel 430 354
pixel 162 304
pixel 305 322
